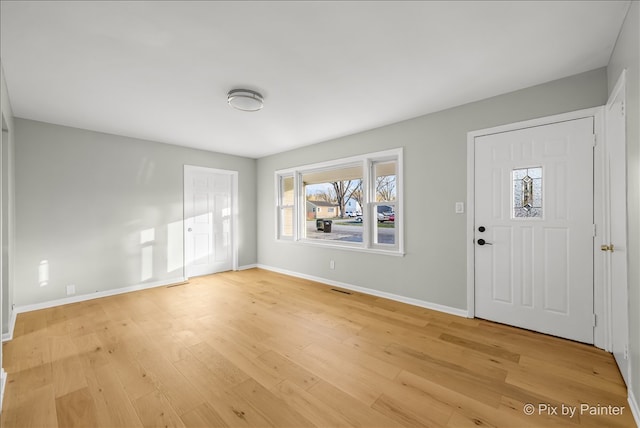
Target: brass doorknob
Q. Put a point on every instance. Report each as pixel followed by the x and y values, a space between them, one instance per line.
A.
pixel 607 247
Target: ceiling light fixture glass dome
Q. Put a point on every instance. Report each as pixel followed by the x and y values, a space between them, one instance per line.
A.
pixel 245 100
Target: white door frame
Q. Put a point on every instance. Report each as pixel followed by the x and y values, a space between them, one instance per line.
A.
pixel 600 332
pixel 618 89
pixel 234 213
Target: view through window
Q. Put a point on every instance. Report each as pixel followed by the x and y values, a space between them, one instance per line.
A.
pixel 333 197
pixel 352 202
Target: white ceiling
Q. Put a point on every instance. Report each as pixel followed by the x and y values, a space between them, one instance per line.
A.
pixel 160 70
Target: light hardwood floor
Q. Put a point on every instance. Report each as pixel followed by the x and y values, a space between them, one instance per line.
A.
pixel 255 348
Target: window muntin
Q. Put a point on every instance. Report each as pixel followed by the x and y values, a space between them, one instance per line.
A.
pixel 356 189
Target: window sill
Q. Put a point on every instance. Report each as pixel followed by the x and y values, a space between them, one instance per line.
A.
pixel 347 247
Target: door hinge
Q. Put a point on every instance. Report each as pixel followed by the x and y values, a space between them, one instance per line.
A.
pixel 622 108
pixel 595 320
pixel 626 351
pixel 595 140
pixel 595 231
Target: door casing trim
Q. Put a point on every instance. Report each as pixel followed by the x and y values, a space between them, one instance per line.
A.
pixel 600 331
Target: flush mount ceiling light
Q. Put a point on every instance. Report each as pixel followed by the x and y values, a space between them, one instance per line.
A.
pixel 245 100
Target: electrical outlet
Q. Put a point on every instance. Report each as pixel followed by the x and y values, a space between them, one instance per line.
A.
pixel 71 290
pixel 332 264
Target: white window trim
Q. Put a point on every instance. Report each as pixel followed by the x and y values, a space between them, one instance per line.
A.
pixel 367 245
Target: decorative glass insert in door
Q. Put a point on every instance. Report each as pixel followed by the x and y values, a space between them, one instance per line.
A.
pixel 527 192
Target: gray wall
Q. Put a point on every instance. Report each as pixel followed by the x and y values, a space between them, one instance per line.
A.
pixel 83 199
pixel 435 156
pixel 626 55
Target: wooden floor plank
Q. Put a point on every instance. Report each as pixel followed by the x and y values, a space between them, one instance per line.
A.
pixel 35 408
pixel 68 375
pixel 76 409
pixel 274 409
pixel 154 410
pixel 226 373
pixel 312 408
pixel 113 407
pixel 257 348
pixel 358 384
pixel 350 408
pixel 233 410
pixel 287 370
pixel 411 414
pixel 167 379
pixel 203 416
pixel 125 365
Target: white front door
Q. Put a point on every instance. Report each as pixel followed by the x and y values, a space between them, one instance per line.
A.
pixel 534 227
pixel 615 243
pixel 208 220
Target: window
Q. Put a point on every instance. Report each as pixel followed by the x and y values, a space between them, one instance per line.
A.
pixel 360 197
pixel 527 192
pixel 384 196
pixel 332 188
pixel 285 207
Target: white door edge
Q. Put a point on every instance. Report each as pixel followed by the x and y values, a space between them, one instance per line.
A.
pixel 234 214
pixel 616 93
pixel 607 221
pixel 600 333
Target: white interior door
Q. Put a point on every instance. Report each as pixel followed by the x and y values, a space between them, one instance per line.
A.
pixel 615 243
pixel 208 220
pixel 534 228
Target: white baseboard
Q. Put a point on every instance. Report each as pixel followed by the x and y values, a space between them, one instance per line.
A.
pixel 634 406
pixel 12 323
pixel 245 267
pixel 372 292
pixel 96 295
pixel 3 382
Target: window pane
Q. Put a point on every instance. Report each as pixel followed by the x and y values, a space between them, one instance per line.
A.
pixel 286 191
pixel 333 202
pixel 527 192
pixel 285 208
pixel 385 181
pixel 286 222
pixel 384 229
